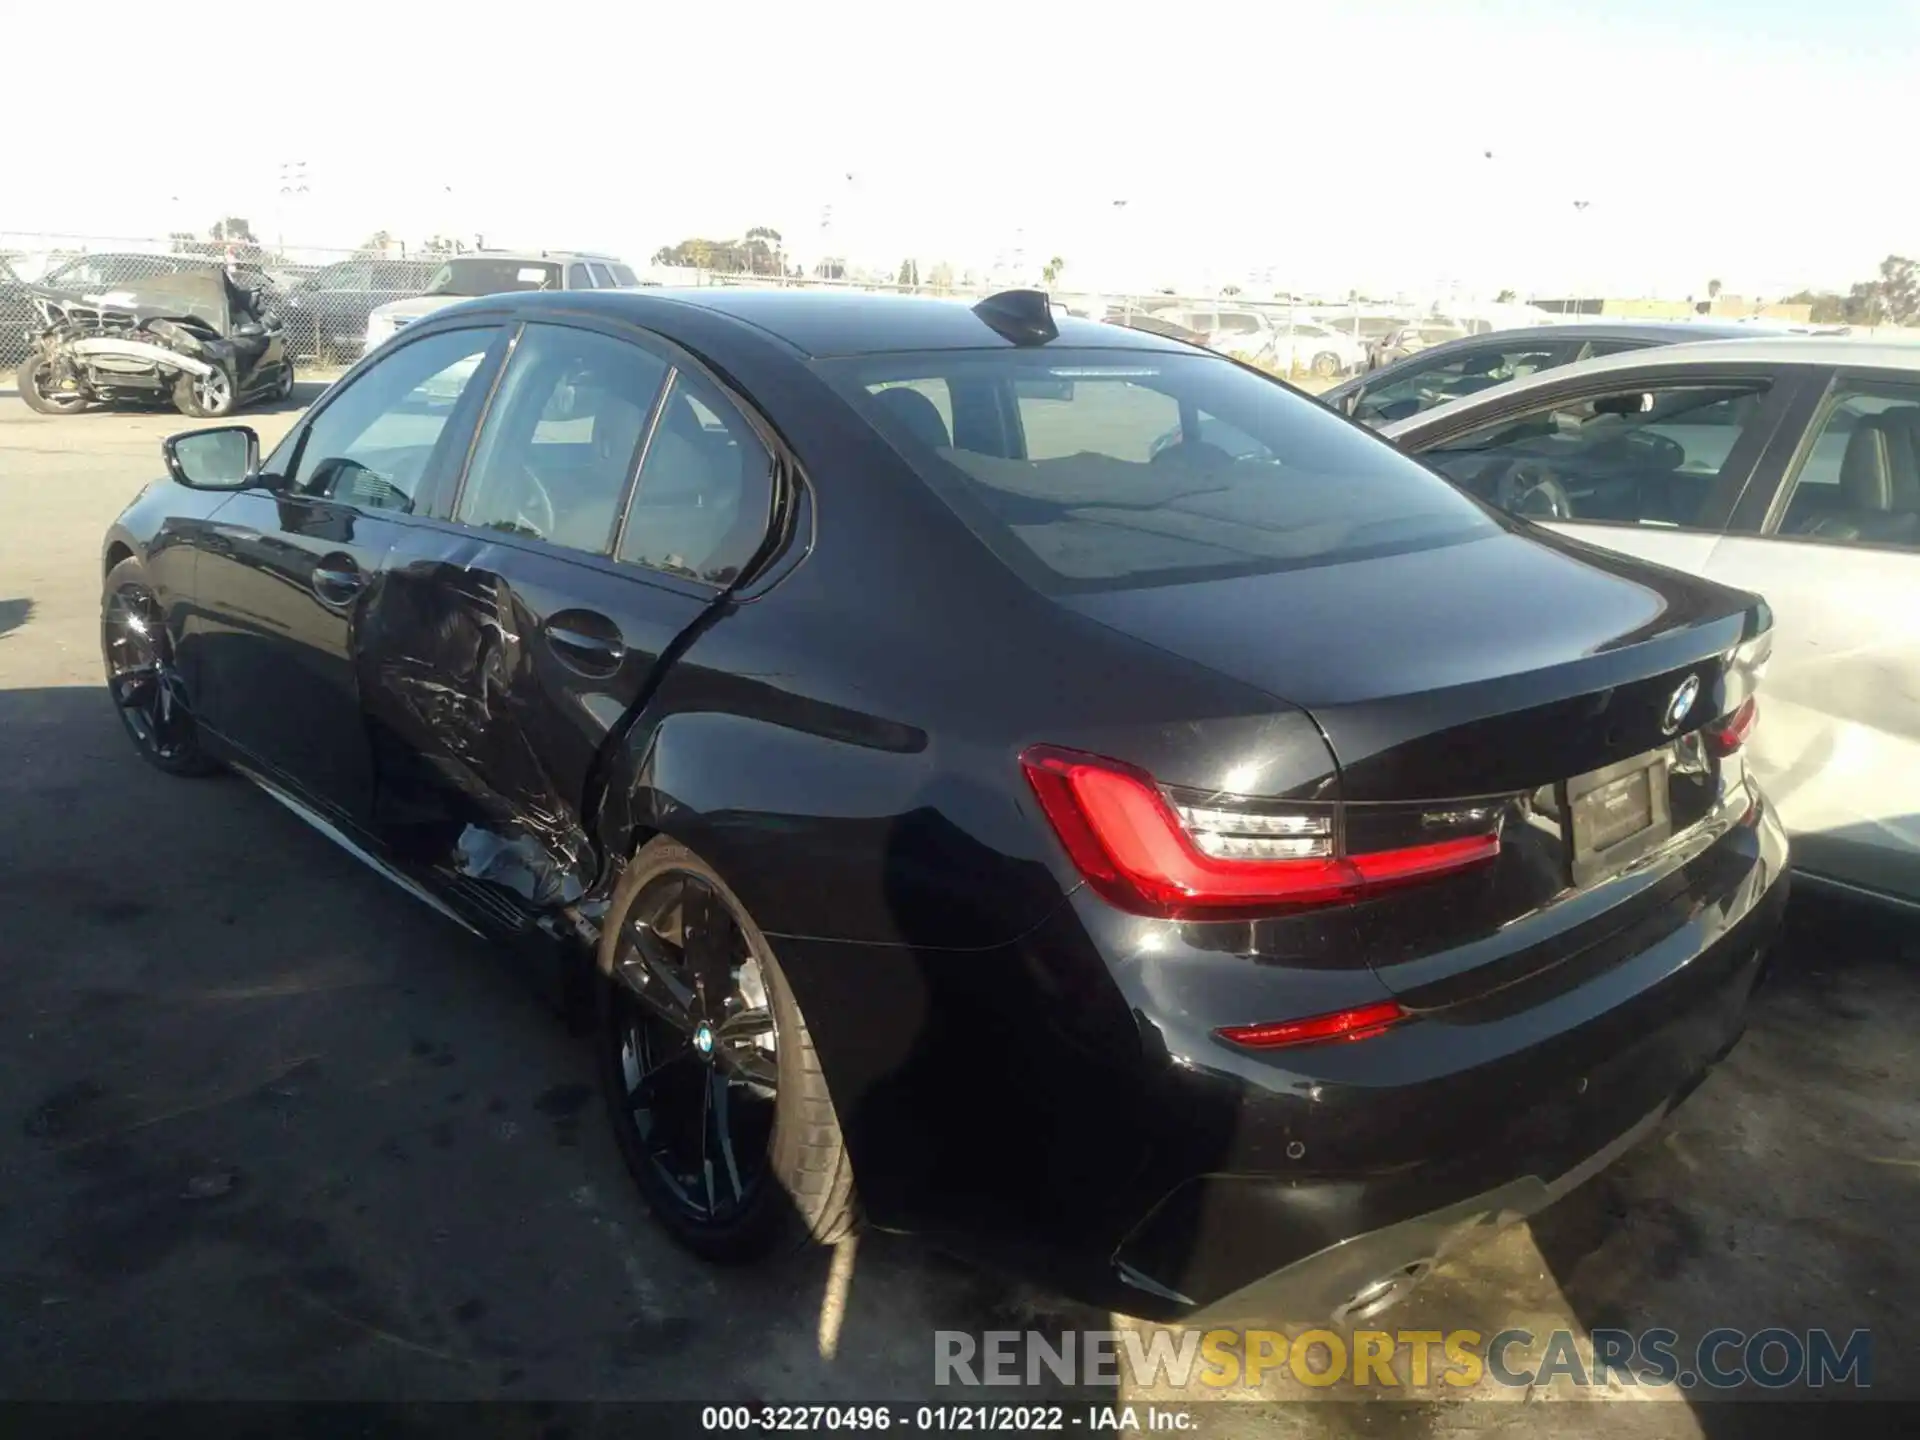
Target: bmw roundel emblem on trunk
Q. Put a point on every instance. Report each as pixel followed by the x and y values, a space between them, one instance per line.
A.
pixel 1680 704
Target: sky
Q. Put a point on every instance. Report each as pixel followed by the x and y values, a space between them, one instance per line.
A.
pixel 1627 147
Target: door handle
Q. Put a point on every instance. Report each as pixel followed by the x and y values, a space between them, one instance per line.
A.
pixel 336 584
pixel 586 642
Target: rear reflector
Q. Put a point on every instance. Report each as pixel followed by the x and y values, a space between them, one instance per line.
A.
pixel 1362 1023
pixel 1212 861
pixel 1728 734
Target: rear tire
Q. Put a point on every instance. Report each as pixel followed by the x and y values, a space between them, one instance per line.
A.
pixel 29 379
pixel 792 1186
pixel 1326 365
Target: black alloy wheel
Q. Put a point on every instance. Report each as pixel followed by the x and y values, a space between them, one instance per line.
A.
pixel 716 1099
pixel 699 1050
pixel 145 687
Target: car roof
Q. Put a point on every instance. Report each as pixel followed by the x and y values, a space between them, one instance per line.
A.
pixel 1636 329
pixel 821 323
pixel 1754 350
pixel 530 255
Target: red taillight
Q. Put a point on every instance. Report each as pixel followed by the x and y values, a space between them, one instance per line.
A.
pixel 1360 1023
pixel 1125 838
pixel 1728 734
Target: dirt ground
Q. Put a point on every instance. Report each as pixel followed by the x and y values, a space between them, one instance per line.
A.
pixel 278 1131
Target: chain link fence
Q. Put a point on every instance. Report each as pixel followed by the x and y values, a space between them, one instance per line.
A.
pixel 325 298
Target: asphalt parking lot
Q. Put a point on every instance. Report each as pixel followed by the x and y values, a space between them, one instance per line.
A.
pixel 275 1130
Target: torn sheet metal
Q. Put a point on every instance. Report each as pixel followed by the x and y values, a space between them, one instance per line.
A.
pixel 446 673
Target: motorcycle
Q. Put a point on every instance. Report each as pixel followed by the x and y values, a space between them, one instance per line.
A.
pixel 196 338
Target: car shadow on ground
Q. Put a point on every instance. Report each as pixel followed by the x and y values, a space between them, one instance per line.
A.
pixel 279 1131
pixel 14 613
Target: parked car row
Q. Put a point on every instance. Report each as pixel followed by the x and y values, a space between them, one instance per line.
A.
pixel 495 272
pixel 326 313
pixel 1030 781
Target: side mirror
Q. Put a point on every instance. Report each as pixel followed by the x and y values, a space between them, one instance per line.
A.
pixel 223 457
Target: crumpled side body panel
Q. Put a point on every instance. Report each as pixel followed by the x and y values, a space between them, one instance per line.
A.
pixel 445 663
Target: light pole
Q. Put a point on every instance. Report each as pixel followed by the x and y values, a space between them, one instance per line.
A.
pixel 1579 209
pixel 293 181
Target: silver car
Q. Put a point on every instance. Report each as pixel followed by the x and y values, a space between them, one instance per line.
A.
pixel 1790 467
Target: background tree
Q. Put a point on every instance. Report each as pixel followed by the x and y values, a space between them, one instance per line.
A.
pixel 1505 297
pixel 231 231
pixel 375 246
pixel 1050 272
pixel 909 273
pixel 763 250
pixel 1713 289
pixel 1892 297
pixel 758 252
pixel 442 245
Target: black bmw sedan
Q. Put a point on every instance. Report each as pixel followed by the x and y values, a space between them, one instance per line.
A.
pixel 1204 879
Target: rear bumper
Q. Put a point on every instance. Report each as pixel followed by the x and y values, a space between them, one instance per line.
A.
pixel 1509 1107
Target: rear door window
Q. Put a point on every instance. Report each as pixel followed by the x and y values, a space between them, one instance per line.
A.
pixel 705 495
pixel 1084 470
pixel 1858 479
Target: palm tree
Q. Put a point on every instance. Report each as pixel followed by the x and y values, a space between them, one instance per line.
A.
pixel 1050 271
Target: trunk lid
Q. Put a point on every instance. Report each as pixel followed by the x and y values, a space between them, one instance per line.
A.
pixel 1488 667
pixel 1534 676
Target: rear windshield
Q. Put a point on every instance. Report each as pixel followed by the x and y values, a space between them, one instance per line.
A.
pixel 1101 469
pixel 488 275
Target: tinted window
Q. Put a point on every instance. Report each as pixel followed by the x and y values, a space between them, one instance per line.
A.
pixel 577 278
pixel 1462 372
pixel 1648 456
pixel 1107 486
pixel 352 275
pixel 622 275
pixel 1859 478
pixel 1597 348
pixel 492 275
pixel 706 489
pixel 561 439
pixel 372 443
pixel 602 280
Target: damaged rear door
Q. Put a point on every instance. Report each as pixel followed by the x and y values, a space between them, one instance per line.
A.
pixel 503 646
